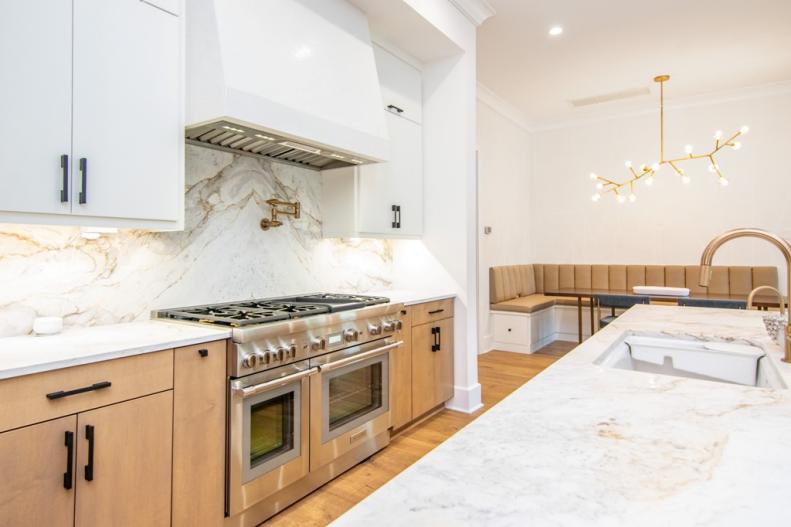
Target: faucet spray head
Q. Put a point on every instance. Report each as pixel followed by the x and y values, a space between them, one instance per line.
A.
pixel 705 275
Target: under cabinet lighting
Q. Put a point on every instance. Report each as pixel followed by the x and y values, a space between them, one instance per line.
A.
pixel 264 137
pixel 554 31
pixel 232 129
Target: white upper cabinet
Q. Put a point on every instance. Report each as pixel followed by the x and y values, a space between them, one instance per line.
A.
pixel 97 85
pixel 35 106
pixel 401 85
pixel 383 199
pixel 127 132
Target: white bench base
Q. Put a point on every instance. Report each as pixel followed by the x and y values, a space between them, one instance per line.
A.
pixel 529 332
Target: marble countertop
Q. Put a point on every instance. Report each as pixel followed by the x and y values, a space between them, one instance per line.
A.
pixel 409 298
pixel 34 354
pixel 582 444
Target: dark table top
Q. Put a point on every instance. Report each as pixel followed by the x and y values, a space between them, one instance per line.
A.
pixel 737 300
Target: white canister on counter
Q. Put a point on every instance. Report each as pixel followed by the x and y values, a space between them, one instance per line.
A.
pixel 47 325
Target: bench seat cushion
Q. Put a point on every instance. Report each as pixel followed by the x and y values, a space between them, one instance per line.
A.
pixel 525 304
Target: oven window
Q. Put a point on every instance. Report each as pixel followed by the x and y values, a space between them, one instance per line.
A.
pixel 354 394
pixel 271 428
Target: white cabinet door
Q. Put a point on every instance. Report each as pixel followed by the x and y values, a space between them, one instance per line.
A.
pixel 399 183
pixel 128 130
pixel 401 85
pixel 35 104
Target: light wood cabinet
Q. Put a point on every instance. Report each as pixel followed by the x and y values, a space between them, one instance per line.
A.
pixel 199 389
pixel 37 467
pixel 432 365
pixel 401 376
pixel 124 463
pixel 94 92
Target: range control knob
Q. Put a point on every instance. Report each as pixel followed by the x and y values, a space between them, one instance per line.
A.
pixel 282 353
pixel 272 354
pixel 262 358
pixel 350 335
pixel 374 329
pixel 318 344
pixel 292 351
pixel 398 325
pixel 249 361
pixel 389 326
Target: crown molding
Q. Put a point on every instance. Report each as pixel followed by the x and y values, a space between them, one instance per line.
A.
pixel 691 101
pixel 502 107
pixel 476 11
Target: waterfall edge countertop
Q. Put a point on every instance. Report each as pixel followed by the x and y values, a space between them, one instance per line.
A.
pixel 582 444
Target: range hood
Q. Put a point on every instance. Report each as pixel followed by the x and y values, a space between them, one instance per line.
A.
pixel 291 80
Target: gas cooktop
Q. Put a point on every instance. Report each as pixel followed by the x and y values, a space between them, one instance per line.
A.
pixel 254 312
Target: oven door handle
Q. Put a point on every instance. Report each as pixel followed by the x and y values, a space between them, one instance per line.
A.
pixel 272 385
pixel 362 356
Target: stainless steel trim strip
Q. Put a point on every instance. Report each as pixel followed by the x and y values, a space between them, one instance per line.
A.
pixel 271 385
pixel 361 356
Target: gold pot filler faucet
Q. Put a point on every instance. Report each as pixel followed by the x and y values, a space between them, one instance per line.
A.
pixel 777 241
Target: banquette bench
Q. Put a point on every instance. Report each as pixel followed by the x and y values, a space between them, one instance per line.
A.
pixel 523 318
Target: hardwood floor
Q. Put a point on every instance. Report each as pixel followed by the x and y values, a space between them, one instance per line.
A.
pixel 499 373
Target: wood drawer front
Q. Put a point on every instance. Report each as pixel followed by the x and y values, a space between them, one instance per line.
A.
pixel 431 311
pixel 24 399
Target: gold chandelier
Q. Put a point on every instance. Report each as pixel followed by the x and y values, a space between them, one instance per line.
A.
pixel 619 190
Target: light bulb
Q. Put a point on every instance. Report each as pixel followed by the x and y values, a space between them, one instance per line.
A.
pixel 718 134
pixel 723 182
pixel 593 176
pixel 744 129
pixel 736 145
pixel 621 198
pixel 643 167
pixel 655 167
pixel 649 181
pixel 599 185
pixel 632 197
pixel 628 164
pixel 713 168
pixel 685 179
pixel 688 149
pixel 596 197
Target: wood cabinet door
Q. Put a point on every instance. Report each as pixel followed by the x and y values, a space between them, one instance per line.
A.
pixel 35 105
pixel 124 471
pixel 443 362
pixel 199 389
pixel 423 364
pixel 401 376
pixel 35 469
pixel 128 119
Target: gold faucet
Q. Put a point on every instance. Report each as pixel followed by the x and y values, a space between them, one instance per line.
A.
pixel 777 241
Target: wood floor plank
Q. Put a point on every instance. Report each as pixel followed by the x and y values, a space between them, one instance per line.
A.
pixel 499 373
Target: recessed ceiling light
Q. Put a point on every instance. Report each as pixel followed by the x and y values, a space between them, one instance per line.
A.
pixel 555 31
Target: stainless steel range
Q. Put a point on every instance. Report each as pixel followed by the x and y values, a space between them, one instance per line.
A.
pixel 308 392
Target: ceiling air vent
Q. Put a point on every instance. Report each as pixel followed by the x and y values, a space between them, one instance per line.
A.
pixel 609 97
pixel 241 139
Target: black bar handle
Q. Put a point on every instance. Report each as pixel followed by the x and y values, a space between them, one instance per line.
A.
pixel 89 467
pixel 394 223
pixel 68 476
pixel 394 107
pixel 435 311
pixel 398 216
pixel 96 386
pixel 83 198
pixel 439 339
pixel 64 191
pixel 203 353
pixel 435 345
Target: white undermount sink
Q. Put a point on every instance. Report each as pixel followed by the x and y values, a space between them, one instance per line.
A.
pixel 707 360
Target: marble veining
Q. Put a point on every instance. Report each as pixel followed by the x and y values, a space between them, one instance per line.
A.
pixel 583 445
pixel 221 255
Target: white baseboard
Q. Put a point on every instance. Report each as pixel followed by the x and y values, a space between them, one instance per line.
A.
pixel 466 399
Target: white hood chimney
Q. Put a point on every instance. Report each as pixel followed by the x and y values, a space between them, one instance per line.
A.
pixel 294 80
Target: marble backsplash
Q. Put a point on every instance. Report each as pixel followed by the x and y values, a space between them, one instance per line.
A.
pixel 221 255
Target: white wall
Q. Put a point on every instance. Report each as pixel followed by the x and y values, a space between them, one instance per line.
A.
pixel 504 164
pixel 670 223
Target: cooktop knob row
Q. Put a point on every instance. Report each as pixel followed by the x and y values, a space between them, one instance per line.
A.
pixel 350 335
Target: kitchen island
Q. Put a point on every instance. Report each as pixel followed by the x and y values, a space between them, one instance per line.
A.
pixel 583 444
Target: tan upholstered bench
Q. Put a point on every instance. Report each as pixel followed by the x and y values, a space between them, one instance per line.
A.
pixel 523 318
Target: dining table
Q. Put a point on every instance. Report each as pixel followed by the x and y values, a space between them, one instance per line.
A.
pixel 732 301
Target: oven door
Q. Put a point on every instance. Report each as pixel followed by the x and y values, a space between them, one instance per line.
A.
pixel 268 443
pixel 352 395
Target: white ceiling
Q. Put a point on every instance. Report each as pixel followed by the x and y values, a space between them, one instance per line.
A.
pixel 707 46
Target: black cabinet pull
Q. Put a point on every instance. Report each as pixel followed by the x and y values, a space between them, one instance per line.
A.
pixel 96 386
pixel 396 224
pixel 435 333
pixel 64 191
pixel 89 466
pixel 83 198
pixel 203 353
pixel 439 339
pixel 394 107
pixel 435 311
pixel 68 476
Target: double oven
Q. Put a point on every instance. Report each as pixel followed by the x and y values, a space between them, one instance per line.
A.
pixel 292 427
